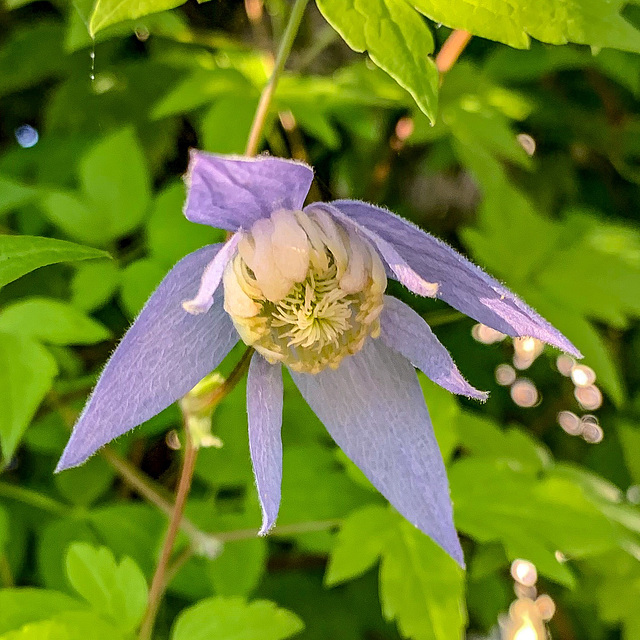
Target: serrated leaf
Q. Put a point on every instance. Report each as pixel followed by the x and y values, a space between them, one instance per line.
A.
pixel 108 12
pixel 362 538
pixel 533 518
pixel 117 590
pixel 22 254
pixel 421 587
pixel 26 375
pixel 513 22
pixel 235 619
pixel 51 321
pixel 397 40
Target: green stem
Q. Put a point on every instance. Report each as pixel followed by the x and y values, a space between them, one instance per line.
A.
pixel 34 499
pixel 268 92
pixel 158 584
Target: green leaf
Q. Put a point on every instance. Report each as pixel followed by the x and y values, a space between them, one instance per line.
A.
pixel 362 539
pixel 118 192
pixel 421 587
pixel 591 22
pixel 117 590
pixel 25 604
pixel 239 568
pixel 170 235
pixel 44 42
pixel 52 321
pixel 630 440
pixel 22 254
pixel 26 375
pixel 86 483
pixel 235 619
pixel 139 280
pixel 69 625
pixel 397 40
pixel 75 217
pixel 217 135
pixel 4 529
pixel 94 283
pixel 533 518
pixel 13 194
pixel 108 12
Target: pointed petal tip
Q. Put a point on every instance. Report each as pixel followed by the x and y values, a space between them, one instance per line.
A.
pixel 267 526
pixel 195 308
pixel 69 461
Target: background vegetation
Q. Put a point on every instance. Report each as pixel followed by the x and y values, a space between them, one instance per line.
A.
pixel 532 169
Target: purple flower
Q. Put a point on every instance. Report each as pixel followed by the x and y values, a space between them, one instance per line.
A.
pixel 305 287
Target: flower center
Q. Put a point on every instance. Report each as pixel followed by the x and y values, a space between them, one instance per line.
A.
pixel 304 290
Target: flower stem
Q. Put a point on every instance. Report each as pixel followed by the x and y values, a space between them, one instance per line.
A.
pixel 158 583
pixel 451 50
pixel 144 486
pixel 266 96
pixel 164 573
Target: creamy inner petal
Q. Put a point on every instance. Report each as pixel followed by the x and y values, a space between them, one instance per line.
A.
pixel 304 291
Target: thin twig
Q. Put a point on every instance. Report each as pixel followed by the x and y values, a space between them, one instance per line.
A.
pixel 266 96
pixel 451 50
pixel 144 486
pixel 282 530
pixel 159 580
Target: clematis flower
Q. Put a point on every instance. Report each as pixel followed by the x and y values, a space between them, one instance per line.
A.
pixel 305 287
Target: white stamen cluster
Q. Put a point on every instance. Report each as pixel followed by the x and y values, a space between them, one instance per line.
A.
pixel 304 290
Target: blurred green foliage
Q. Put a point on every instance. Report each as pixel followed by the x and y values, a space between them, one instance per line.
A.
pixel 532 166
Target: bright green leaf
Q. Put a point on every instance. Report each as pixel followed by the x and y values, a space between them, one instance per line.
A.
pixel 533 518
pixel 117 191
pixel 421 587
pixel 235 619
pixel 108 12
pixel 75 217
pixel 592 22
pixel 22 254
pixel 25 604
pixel 68 625
pixel 26 374
pixel 117 590
pixel 363 537
pixel 94 283
pixel 239 568
pixel 397 40
pixel 52 321
pixel 139 280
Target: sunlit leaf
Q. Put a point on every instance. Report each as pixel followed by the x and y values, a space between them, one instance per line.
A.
pixel 235 619
pixel 556 21
pixel 117 590
pixel 22 254
pixel 397 40
pixel 108 12
pixel 52 321
pixel 26 374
